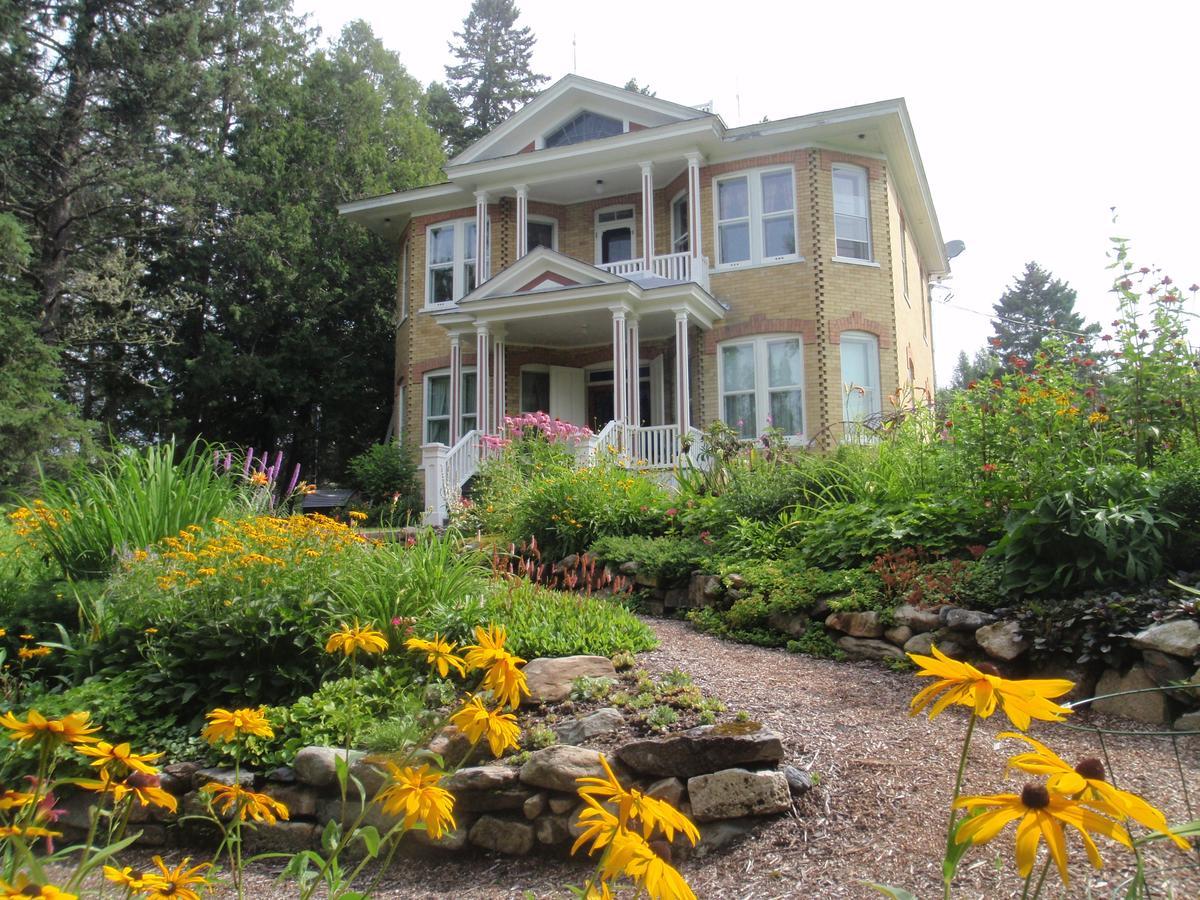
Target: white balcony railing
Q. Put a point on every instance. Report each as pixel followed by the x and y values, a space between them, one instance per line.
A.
pixel 674 267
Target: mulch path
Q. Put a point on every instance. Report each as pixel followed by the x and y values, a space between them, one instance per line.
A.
pixel 878 811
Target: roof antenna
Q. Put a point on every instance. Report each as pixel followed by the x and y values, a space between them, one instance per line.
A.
pixel 574 56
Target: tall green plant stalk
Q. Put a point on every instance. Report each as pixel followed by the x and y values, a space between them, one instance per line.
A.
pixel 950 862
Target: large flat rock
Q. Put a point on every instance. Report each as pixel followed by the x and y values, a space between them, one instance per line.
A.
pixel 549 678
pixel 732 793
pixel 1180 637
pixel 699 751
pixel 557 767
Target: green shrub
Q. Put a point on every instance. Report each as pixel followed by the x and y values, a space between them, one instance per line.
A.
pixel 670 558
pixel 134 499
pixel 816 642
pixel 386 475
pixel 542 622
pixel 1107 528
pixel 498 488
pixel 568 511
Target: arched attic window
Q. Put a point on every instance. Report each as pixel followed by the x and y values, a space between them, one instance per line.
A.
pixel 587 126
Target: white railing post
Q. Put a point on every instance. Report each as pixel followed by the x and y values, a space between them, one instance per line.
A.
pixel 433 464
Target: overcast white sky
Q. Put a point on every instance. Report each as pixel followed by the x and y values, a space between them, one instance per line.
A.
pixel 1033 119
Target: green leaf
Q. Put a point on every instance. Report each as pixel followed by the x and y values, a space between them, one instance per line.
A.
pixel 370 836
pixel 897 893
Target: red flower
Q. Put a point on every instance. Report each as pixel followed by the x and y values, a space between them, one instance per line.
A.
pixel 1079 340
pixel 1089 362
pixel 1106 337
pixel 1020 363
pixel 1144 270
pixel 1126 284
pixel 988 467
pixel 995 342
pixel 672 511
pixel 972 385
pixel 1166 279
pixel 949 423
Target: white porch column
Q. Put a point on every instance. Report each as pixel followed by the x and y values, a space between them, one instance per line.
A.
pixel 498 348
pixel 620 364
pixel 481 238
pixel 455 388
pixel 694 217
pixel 433 464
pixel 483 342
pixel 522 220
pixel 647 216
pixel 634 404
pixel 683 393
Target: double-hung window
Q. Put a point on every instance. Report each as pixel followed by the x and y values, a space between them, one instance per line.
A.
pixel 437 406
pixel 450 252
pixel 756 218
pixel 680 225
pixel 762 385
pixel 861 400
pixel 851 212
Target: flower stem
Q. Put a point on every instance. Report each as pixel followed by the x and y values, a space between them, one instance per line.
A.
pixel 947 871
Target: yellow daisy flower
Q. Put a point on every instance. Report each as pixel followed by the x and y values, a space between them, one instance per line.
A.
pixel 414 792
pixel 1086 783
pixel 650 812
pixel 228 725
pixel 72 728
pixel 505 681
pixel 476 721
pixel 145 789
pixel 173 884
pixel 22 887
pixel 439 654
pixel 127 877
pixel 489 648
pixel 15 800
pixel 120 757
pixel 632 857
pixel 351 639
pixel 246 804
pixel 964 684
pixel 1042 814
pixel 32 832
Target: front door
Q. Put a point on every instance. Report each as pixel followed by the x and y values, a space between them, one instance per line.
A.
pixel 599 405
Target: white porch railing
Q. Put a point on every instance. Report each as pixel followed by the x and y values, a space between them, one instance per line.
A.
pixel 655 447
pixel 675 267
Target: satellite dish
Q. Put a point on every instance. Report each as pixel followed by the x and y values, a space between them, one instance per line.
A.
pixel 954 248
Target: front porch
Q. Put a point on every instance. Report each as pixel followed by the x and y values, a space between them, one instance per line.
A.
pixel 605 351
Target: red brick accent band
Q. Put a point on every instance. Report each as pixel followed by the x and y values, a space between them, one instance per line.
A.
pixel 759 324
pixel 856 321
pixel 547 277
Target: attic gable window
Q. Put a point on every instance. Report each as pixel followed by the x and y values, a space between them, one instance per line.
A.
pixel 587 126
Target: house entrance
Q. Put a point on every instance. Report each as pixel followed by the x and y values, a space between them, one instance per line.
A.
pixel 600 397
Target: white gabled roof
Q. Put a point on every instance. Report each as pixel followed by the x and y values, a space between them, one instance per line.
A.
pixel 554 270
pixel 564 99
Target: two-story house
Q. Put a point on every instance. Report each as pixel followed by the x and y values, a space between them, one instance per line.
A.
pixel 610 257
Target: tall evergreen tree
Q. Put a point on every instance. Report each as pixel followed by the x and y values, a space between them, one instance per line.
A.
pixel 493 76
pixel 445 118
pixel 1037 306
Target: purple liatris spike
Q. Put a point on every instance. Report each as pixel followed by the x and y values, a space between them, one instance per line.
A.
pixel 278 467
pixel 228 460
pixel 295 480
pixel 249 462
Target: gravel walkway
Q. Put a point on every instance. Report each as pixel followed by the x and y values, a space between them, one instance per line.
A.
pixel 878 811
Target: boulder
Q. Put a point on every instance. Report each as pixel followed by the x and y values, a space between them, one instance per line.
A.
pixel 602 721
pixel 495 800
pixel 201 777
pixel 1165 669
pixel 794 623
pixel 557 767
pixel 176 778
pixel 1002 640
pixel 898 635
pixel 315 765
pixel 733 793
pixel 553 830
pixel 918 620
pixel 703 589
pixel 282 837
pixel 502 835
pixel 300 799
pixel 707 748
pixel 676 598
pixel 455 747
pixel 969 620
pixel 549 679
pixel 1188 722
pixel 799 782
pixel 370 771
pixel 669 790
pixel 480 778
pixel 863 624
pixel 919 643
pixel 561 804
pixel 867 648
pixel 716 836
pixel 534 806
pixel 1179 637
pixel 1148 707
pixel 281 775
pixel 951 643
pixel 450 840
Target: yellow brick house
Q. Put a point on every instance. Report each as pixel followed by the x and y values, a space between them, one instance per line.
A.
pixel 637 267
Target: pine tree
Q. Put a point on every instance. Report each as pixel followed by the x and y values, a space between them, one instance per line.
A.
pixel 632 85
pixel 493 77
pixel 1036 307
pixel 444 117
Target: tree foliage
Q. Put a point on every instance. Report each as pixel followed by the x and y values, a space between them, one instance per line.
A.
pixel 1036 307
pixel 493 76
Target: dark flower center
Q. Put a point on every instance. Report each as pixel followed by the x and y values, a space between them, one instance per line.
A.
pixel 1091 768
pixel 988 669
pixel 1034 796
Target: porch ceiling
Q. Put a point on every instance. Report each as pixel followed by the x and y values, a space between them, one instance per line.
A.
pixel 616 181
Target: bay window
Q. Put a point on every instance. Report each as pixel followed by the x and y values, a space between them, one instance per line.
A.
pixel 851 212
pixel 450 261
pixel 756 217
pixel 762 385
pixel 437 405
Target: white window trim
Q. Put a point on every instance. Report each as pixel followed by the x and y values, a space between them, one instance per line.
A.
pixel 869 263
pixel 461 258
pixel 601 227
pixel 546 220
pixel 401 395
pixel 904 261
pixel 755 218
pixel 762 398
pixel 463 413
pixel 872 343
pixel 675 236
pixel 866 177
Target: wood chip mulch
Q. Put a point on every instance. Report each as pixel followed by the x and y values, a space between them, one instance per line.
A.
pixel 879 809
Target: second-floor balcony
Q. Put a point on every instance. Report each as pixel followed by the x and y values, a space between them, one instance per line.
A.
pixel 670 268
